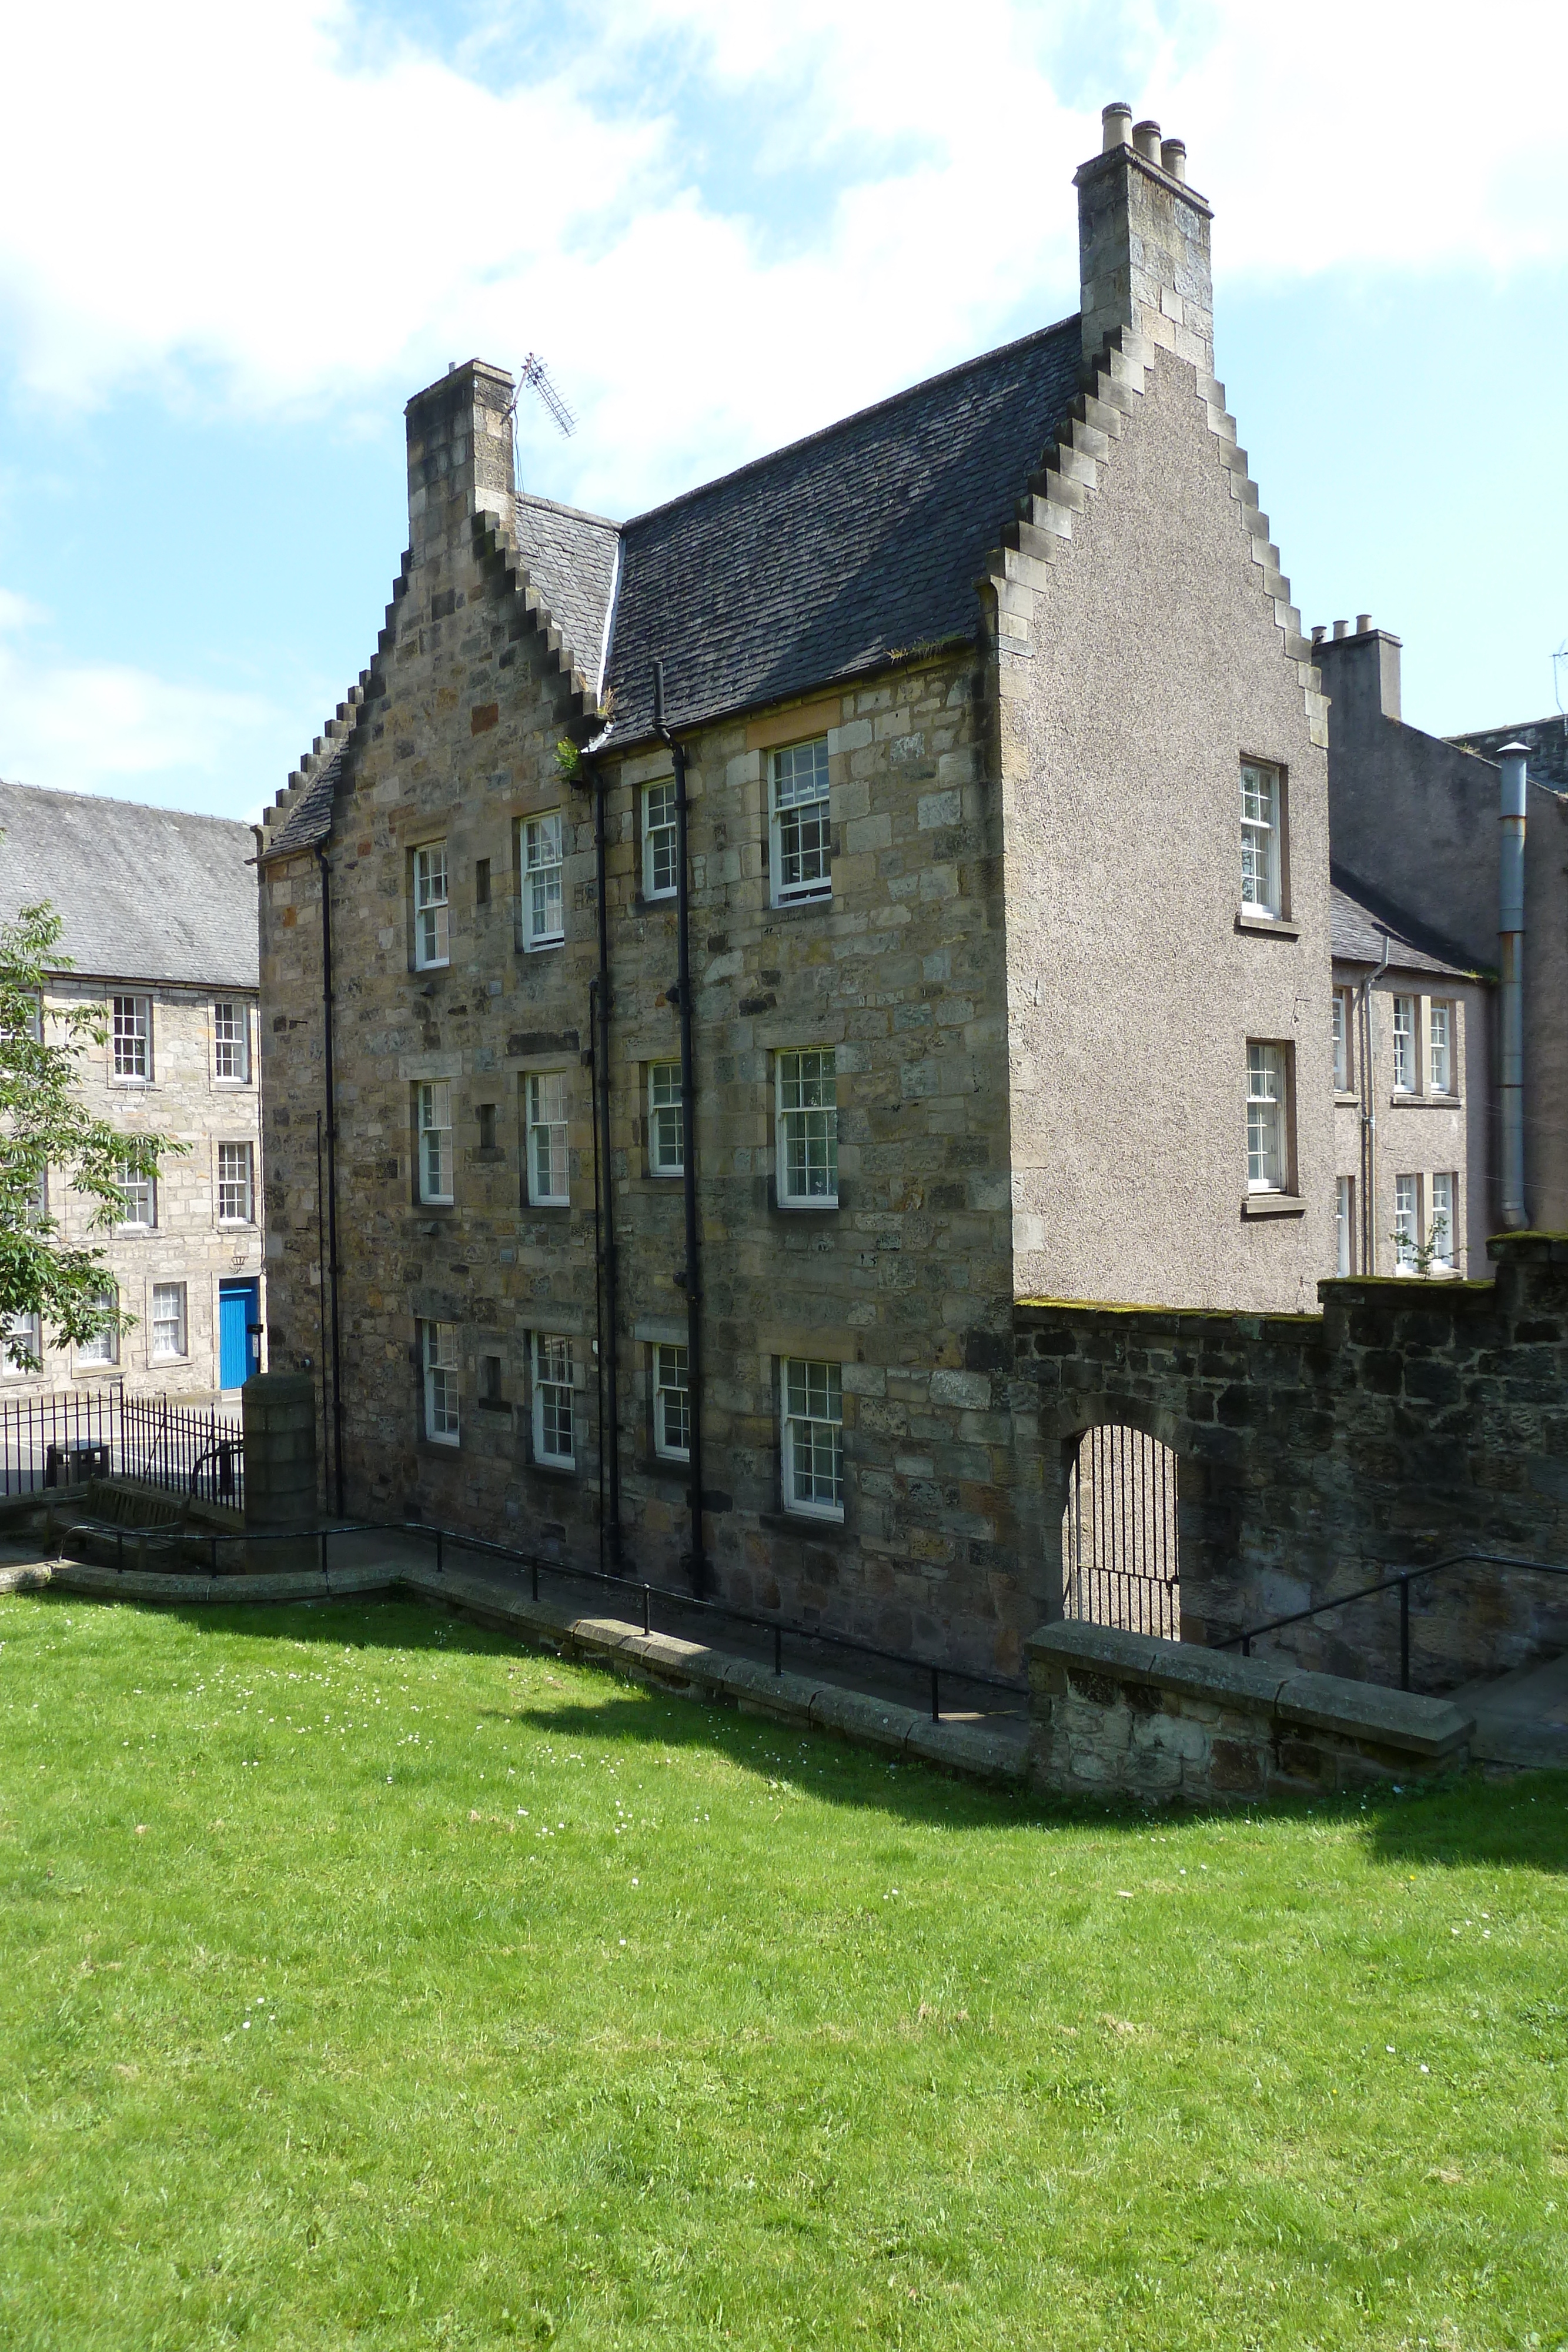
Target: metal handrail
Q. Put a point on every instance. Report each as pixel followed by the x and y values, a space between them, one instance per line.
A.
pixel 1403 1579
pixel 441 1537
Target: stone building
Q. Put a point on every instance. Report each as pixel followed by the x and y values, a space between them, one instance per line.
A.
pixel 1416 819
pixel 739 951
pixel 158 910
pixel 1411 1031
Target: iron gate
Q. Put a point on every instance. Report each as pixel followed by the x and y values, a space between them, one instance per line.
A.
pixel 1120 1564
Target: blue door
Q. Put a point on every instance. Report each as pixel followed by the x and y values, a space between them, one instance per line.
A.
pixel 239 1339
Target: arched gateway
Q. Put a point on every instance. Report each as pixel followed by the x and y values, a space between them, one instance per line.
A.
pixel 1120 1558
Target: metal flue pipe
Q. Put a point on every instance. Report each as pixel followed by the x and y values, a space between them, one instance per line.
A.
pixel 1511 961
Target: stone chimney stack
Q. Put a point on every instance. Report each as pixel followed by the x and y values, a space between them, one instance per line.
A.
pixel 1143 244
pixel 459 458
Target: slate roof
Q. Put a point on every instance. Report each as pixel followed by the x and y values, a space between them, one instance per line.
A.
pixel 571 559
pixel 150 894
pixel 310 818
pixel 1547 740
pixel 829 556
pixel 1359 916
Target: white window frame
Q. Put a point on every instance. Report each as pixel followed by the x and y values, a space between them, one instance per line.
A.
pixel 28 1329
pixel 433 1155
pixel 811 1416
pixel 131 1040
pixel 231 1042
pixel 432 907
pixel 671 1402
pixel 442 1382
pixel 1262 833
pixel 547 1138
pixel 1407 1223
pixel 667 1120
pixel 1442 1219
pixel 139 1190
pixel 102 1351
pixel 552 1363
pixel 806 1127
pixel 1268 1110
pixel 228 1190
pixel 1340 1030
pixel 661 839
pixel 541 860
pixel 799 804
pixel 1345 1225
pixel 159 1353
pixel 1403 1035
pixel 1440 1023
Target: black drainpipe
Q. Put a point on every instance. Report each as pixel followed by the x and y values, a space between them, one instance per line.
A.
pixel 604 1196
pixel 690 1276
pixel 331 1089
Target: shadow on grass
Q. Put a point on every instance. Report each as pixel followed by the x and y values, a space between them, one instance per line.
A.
pixel 1519 1823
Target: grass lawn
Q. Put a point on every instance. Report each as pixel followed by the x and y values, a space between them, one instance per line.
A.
pixel 363 1982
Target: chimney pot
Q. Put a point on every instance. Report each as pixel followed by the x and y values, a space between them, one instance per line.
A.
pixel 1319 633
pixel 1363 622
pixel 1146 140
pixel 1115 125
pixel 1173 157
pixel 1340 628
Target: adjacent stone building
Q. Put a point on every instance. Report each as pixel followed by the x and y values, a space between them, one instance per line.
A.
pixel 737 952
pixel 159 912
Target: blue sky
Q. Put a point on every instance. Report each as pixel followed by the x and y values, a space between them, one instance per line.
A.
pixel 723 225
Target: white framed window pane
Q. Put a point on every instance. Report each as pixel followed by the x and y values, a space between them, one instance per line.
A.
pixel 1342 1041
pixel 431 913
pixel 1259 838
pixel 1343 1218
pixel 1443 1225
pixel 1440 1048
pixel 442 1401
pixel 103 1347
pixel 666 1121
pixel 659 841
pixel 808 1127
pixel 233 1183
pixel 24 1331
pixel 168 1319
pixel 1403 1043
pixel 799 822
pixel 140 1211
pixel 37 1209
pixel 548 1162
pixel 1407 1223
pixel 672 1408
pixel 231 1042
pixel 543 920
pixel 131 1026
pixel 433 1099
pixel 1265 1117
pixel 813 1447
pixel 555 1378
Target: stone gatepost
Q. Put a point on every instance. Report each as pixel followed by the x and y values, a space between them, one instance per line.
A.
pixel 280 1493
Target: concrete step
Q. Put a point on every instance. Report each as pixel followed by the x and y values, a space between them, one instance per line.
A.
pixel 1521 1718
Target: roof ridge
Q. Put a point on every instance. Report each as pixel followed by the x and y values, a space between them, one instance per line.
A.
pixel 855 417
pixel 121 800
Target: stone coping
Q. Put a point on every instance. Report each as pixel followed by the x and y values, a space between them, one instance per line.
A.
pixel 692 1668
pixel 1400 1720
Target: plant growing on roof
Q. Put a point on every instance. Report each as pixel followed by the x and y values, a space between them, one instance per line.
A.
pixel 45 1125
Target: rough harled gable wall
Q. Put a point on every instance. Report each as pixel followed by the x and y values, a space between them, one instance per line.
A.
pixel 1145 643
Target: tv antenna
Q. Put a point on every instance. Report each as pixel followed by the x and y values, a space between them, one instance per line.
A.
pixel 534 376
pixel 1559 664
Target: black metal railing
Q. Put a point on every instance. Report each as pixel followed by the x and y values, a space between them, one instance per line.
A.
pixel 1400 1583
pixel 206 1548
pixel 58 1441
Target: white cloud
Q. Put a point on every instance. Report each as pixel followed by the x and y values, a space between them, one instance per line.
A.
pixel 106 727
pixel 248 204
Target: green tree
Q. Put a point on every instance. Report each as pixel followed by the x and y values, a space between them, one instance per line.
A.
pixel 44 1128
